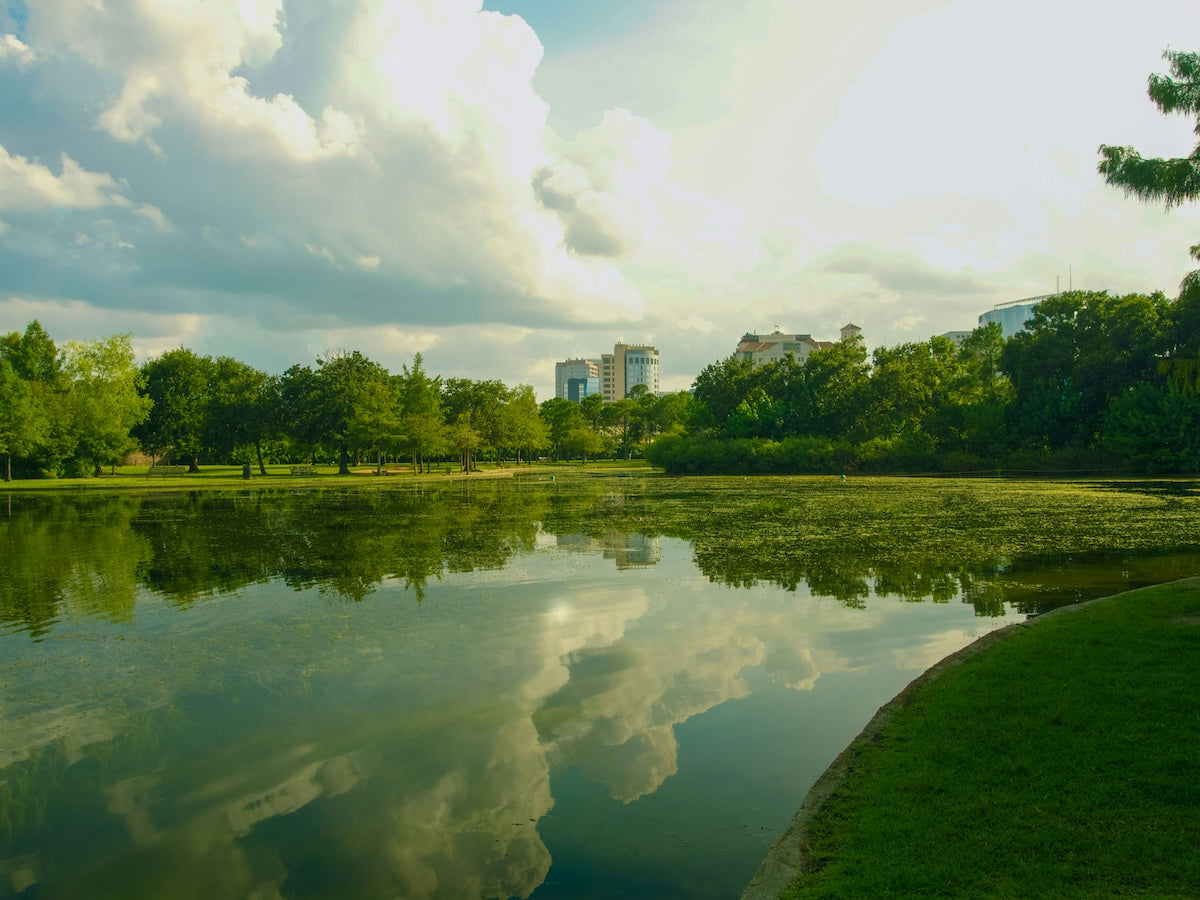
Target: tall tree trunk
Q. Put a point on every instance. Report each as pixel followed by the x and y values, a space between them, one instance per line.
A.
pixel 8 467
pixel 194 463
pixel 344 461
pixel 262 470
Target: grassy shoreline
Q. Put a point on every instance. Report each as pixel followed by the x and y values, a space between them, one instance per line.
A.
pixel 281 474
pixel 1061 758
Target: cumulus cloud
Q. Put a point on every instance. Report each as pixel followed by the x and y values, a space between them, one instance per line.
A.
pixel 28 185
pixel 12 50
pixel 183 61
pixel 428 165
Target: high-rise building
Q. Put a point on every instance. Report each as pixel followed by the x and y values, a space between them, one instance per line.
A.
pixel 1012 315
pixel 628 365
pixel 575 379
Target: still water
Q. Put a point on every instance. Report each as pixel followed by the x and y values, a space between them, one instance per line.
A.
pixel 528 688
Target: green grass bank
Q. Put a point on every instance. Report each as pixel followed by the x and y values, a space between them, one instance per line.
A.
pixel 1056 758
pixel 288 475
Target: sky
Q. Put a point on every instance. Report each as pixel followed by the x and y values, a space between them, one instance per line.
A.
pixel 501 185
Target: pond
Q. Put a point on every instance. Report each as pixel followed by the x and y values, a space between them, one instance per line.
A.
pixel 528 687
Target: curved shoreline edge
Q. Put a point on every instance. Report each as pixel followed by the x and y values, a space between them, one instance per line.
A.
pixel 789 856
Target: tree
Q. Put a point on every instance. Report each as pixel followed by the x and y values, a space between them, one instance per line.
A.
pixel 617 418
pixel 1080 350
pixel 1154 427
pixel 242 409
pixel 560 415
pixel 837 378
pixel 723 385
pixel 376 420
pixel 422 423
pixel 673 412
pixel 300 413
pixel 106 399
pixel 911 387
pixel 1173 181
pixel 341 379
pixel 479 405
pixel 22 420
pixel 982 395
pixel 179 383
pixel 592 407
pixel 583 441
pixel 33 355
pixel 36 361
pixel 525 427
pixel 466 442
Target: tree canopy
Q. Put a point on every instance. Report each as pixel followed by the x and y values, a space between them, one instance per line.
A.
pixel 1172 181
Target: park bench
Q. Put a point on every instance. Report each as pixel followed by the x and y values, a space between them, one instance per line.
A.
pixel 168 470
pixel 303 470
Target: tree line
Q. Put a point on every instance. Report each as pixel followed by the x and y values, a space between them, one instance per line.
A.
pixel 71 411
pixel 1095 382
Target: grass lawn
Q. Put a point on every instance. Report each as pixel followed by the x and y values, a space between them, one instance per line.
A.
pixel 1063 760
pixel 217 476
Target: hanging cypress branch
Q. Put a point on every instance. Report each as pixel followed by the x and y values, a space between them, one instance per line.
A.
pixel 1172 181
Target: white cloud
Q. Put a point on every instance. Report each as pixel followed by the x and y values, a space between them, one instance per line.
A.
pixel 417 165
pixel 28 185
pixel 153 332
pixel 155 215
pixel 13 50
pixel 183 60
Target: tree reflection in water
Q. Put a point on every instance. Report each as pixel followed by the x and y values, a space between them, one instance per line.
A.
pixel 343 728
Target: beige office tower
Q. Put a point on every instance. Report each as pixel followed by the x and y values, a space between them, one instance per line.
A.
pixel 626 366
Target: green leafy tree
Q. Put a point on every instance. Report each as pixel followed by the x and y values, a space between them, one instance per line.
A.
pixel 983 394
pixel 465 441
pixel 462 399
pixel 911 387
pixel 524 426
pixel 302 412
pixel 758 415
pixel 1154 427
pixel 33 355
pixel 837 378
pixel 617 419
pixel 22 420
pixel 592 407
pixel 422 423
pixel 583 442
pixel 37 361
pixel 242 410
pixel 341 379
pixel 479 405
pixel 673 412
pixel 106 398
pixel 178 383
pixel 376 420
pixel 560 415
pixel 723 385
pixel 1171 181
pixel 1080 350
